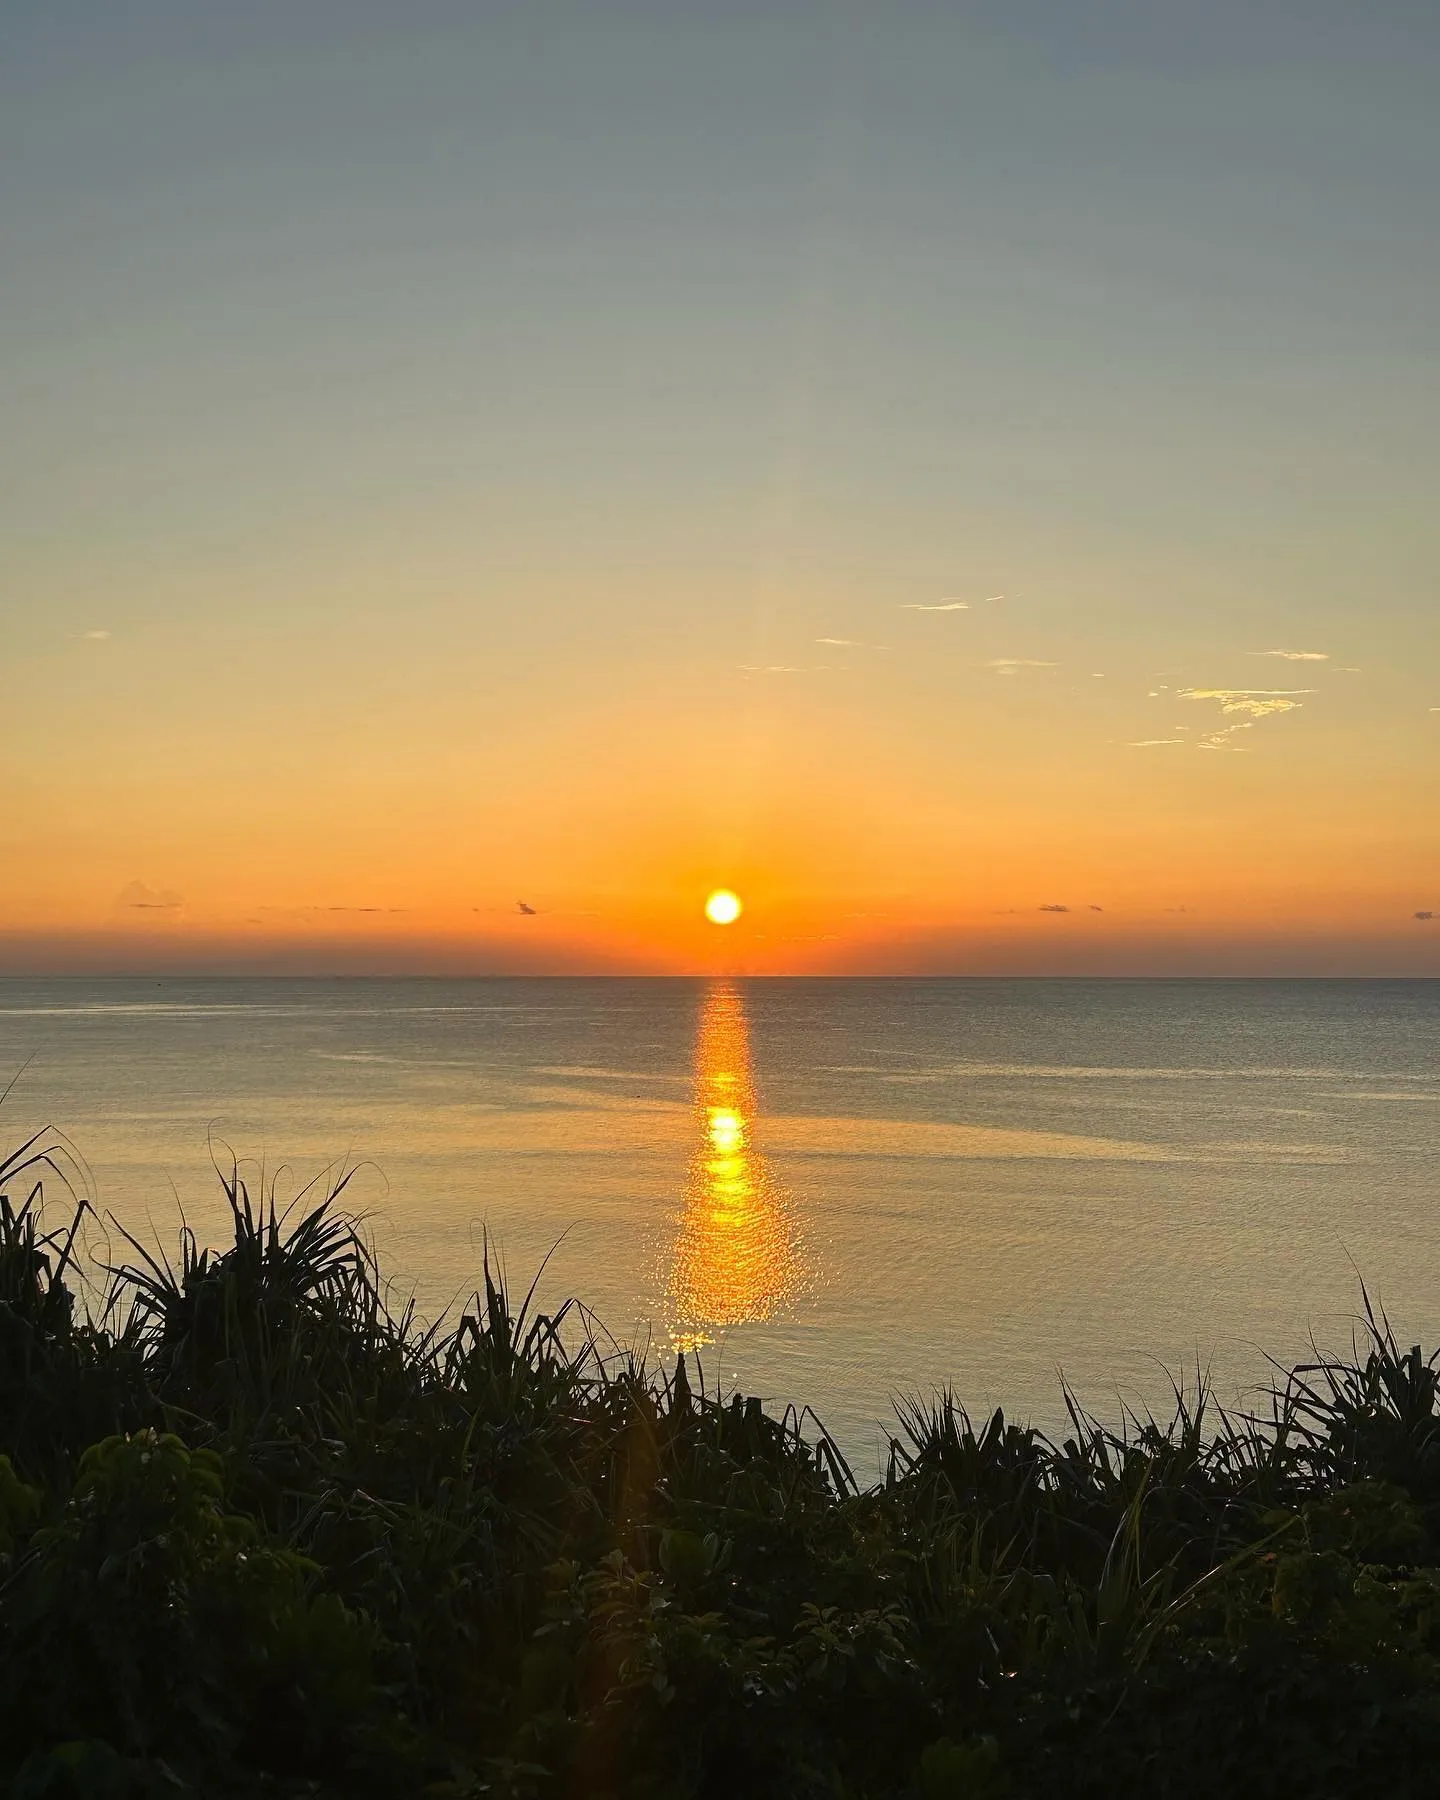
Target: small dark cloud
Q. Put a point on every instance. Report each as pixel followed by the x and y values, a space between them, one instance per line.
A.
pixel 1424 915
pixel 136 897
pixel 1095 908
pixel 529 911
pixel 1054 909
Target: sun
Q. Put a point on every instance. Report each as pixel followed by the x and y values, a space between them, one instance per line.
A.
pixel 723 907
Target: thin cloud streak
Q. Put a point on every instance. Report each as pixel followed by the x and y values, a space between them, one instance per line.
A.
pixel 135 896
pixel 1260 703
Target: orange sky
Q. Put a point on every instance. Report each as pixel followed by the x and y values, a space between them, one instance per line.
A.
pixel 587 466
pixel 866 831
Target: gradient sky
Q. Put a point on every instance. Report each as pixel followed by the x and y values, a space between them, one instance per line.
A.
pixel 872 457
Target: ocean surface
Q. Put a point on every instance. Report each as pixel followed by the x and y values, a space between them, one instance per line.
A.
pixel 833 1191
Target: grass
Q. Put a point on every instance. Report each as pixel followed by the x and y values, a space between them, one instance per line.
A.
pixel 260 1534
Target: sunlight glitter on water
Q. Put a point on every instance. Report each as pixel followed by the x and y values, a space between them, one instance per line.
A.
pixel 736 1260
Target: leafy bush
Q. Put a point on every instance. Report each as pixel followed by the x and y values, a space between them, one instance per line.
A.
pixel 258 1535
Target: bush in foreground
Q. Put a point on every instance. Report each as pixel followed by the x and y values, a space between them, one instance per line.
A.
pixel 259 1535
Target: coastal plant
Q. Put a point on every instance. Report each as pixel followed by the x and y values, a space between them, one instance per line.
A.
pixel 263 1532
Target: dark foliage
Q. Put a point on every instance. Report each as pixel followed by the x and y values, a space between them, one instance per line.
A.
pixel 261 1535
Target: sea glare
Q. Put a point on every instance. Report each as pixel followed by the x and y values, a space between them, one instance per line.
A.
pixel 832 1191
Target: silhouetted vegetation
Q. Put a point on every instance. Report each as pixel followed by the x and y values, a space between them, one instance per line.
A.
pixel 261 1535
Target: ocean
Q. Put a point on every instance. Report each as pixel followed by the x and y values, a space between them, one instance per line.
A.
pixel 831 1192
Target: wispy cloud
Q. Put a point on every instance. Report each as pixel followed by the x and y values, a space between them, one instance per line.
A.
pixel 317 910
pixel 1053 908
pixel 135 896
pixel 1152 743
pixel 850 644
pixel 939 606
pixel 776 669
pixel 1260 703
pixel 1424 915
pixel 1296 655
pixel 1220 740
pixel 89 637
pixel 1011 665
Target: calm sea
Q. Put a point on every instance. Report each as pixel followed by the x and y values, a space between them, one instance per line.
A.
pixel 834 1190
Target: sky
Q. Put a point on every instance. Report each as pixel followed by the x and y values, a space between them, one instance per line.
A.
pixel 961 475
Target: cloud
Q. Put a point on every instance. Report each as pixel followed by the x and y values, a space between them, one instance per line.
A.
pixel 1010 665
pixel 1152 743
pixel 850 644
pixel 1054 909
pixel 774 669
pixel 1296 655
pixel 1217 740
pixel 1424 915
pixel 1260 703
pixel 1094 908
pixel 89 637
pixel 313 911
pixel 136 897
pixel 940 606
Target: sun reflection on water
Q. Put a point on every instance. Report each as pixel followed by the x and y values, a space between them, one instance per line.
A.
pixel 736 1260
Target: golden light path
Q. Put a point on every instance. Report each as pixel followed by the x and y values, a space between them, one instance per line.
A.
pixel 736 1258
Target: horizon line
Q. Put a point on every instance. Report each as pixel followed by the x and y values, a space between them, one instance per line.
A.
pixel 162 975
